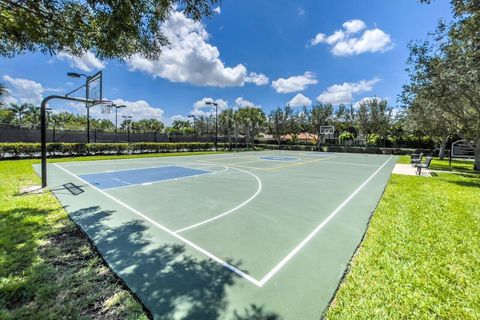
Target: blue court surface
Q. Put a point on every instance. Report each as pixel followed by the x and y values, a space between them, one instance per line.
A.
pixel 123 178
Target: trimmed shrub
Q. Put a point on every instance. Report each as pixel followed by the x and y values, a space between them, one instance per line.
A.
pixel 19 150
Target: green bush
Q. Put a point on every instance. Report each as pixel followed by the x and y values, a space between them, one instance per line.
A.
pixel 19 150
pixel 346 136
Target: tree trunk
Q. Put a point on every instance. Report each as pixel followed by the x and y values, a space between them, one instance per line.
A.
pixel 443 144
pixel 476 166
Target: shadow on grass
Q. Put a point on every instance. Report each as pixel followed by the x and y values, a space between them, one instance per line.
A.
pixel 168 281
pixel 20 229
pixel 474 182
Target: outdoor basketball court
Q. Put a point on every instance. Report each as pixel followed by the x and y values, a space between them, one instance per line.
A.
pixel 207 237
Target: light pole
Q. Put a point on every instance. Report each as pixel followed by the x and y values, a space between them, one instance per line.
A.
pixel 213 103
pixel 194 130
pixel 127 124
pixel 87 93
pixel 116 114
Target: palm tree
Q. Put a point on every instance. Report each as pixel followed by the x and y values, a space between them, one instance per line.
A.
pixel 19 110
pixel 227 124
pixel 33 115
pixel 3 93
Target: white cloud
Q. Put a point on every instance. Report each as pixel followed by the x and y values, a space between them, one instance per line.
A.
pixel 23 90
pixel 354 26
pixel 299 101
pixel 201 108
pixel 348 41
pixel 357 104
pixel 189 57
pixel 179 117
pixel 295 83
pixel 240 102
pixel 139 110
pixel 86 62
pixel 300 12
pixel 217 10
pixel 343 93
pixel 258 78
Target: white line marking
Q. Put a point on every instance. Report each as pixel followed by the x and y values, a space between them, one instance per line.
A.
pixel 320 226
pixel 121 181
pixel 179 237
pixel 259 189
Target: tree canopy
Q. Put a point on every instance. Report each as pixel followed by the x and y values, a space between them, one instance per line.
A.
pixel 445 74
pixel 111 29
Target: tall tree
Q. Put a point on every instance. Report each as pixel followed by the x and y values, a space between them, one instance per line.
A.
pixel 279 122
pixel 227 124
pixel 447 69
pixel 318 116
pixel 19 110
pixel 111 29
pixel 251 121
pixel 149 125
pixel 374 118
pixel 3 93
pixel 32 115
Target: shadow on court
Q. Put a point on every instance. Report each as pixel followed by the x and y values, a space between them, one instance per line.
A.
pixel 170 283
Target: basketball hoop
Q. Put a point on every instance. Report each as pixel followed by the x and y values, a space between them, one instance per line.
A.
pixel 106 109
pixel 325 130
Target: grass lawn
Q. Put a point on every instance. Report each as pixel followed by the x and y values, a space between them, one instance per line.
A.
pixel 421 255
pixel 419 259
pixel 437 164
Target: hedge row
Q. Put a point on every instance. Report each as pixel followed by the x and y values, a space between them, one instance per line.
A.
pixel 376 150
pixel 17 150
pixel 370 150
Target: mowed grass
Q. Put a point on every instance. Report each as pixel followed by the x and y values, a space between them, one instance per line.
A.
pixel 444 165
pixel 421 255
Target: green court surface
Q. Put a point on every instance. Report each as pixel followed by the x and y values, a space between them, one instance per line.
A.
pixel 226 236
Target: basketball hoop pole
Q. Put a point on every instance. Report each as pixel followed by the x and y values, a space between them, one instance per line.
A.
pixel 43 130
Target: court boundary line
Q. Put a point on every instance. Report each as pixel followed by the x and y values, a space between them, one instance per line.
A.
pixel 259 189
pixel 259 283
pixel 292 253
pixel 179 237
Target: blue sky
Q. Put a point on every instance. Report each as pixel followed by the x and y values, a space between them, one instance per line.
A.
pixel 262 53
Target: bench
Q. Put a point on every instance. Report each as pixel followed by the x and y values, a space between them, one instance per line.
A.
pixel 425 165
pixel 416 158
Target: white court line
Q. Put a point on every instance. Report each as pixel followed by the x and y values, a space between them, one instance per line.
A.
pixel 259 189
pixel 179 237
pixel 318 228
pixel 171 179
pixel 121 181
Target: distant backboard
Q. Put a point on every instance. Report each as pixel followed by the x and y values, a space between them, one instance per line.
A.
pixel 327 130
pixel 92 90
pixel 95 89
pixel 462 149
